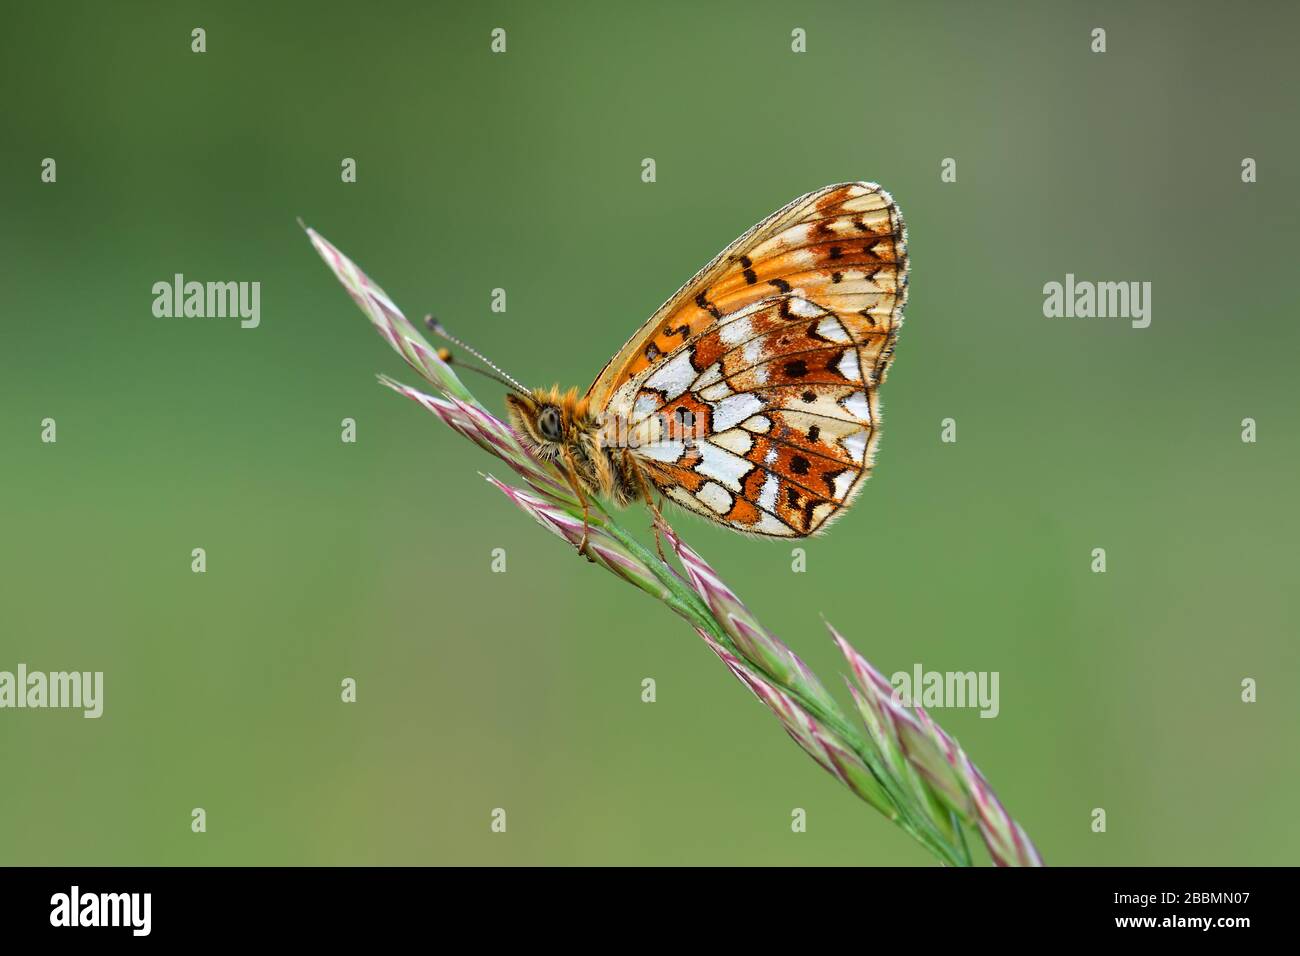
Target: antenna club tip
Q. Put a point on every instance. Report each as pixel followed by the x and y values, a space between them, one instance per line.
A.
pixel 445 355
pixel 432 324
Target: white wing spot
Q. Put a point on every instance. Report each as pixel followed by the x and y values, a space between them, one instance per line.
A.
pixel 830 328
pixel 646 405
pixel 667 451
pixel 734 440
pixel 735 331
pixel 715 392
pixel 770 525
pixel 723 465
pixel 734 409
pixel 674 376
pixel 710 375
pixel 805 309
pixel 715 496
pixel 848 365
pixel 855 445
pixel 767 497
pixel 857 406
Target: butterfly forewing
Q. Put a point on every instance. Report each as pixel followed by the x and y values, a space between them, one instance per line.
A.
pixel 842 246
pixel 751 395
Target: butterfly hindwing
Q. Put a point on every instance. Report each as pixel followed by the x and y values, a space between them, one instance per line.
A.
pixel 749 397
pixel 765 422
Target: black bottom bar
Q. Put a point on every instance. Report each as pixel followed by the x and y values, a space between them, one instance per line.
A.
pixel 905 906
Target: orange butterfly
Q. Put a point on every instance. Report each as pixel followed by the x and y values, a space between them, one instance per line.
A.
pixel 750 396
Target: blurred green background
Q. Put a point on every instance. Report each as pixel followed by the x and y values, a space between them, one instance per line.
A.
pixel 522 690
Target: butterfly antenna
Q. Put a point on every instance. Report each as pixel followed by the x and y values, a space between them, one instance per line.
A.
pixel 434 326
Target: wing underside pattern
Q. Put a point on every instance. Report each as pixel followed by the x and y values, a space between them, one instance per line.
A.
pixel 751 396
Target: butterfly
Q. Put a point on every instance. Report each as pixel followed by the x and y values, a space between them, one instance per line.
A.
pixel 750 397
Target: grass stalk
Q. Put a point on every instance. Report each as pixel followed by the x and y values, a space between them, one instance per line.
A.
pixel 898 761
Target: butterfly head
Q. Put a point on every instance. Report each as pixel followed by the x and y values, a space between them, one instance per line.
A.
pixel 549 420
pixel 546 420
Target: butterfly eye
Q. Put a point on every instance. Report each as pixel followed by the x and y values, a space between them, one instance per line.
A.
pixel 548 423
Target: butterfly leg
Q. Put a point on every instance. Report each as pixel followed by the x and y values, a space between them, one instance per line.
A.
pixel 649 500
pixel 571 475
